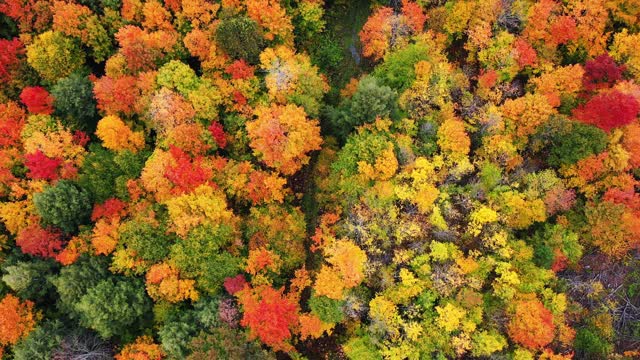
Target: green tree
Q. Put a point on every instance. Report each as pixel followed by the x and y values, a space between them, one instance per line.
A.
pixel 41 342
pixel 105 173
pixel 28 279
pixel 590 345
pixel 361 348
pixel 398 69
pixel 151 243
pixel 223 342
pixel 328 310
pixel 74 102
pixel 176 334
pixel 73 282
pixel 98 173
pixel 570 141
pixel 115 307
pixel 308 22
pixel 240 38
pixel 64 205
pixel 371 100
pixel 203 256
pixel 178 76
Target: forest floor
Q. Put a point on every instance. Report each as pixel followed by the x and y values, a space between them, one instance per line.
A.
pixel 344 21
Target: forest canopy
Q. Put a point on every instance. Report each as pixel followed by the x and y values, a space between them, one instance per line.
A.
pixel 311 179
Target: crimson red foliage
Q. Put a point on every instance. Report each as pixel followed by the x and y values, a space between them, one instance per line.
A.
pixel 10 50
pixel 608 110
pixel 81 138
pixel 37 99
pixel 42 167
pixel 35 240
pixel 188 173
pixel 109 209
pixel 239 69
pixel 218 134
pixel 234 284
pixel 12 119
pixel 601 72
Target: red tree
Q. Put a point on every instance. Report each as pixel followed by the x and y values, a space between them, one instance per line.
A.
pixel 37 100
pixel 234 284
pixel 187 173
pixel 608 110
pixel 268 315
pixel 563 30
pixel 525 53
pixel 375 33
pixel 601 72
pixel 28 14
pixel 10 51
pixel 385 29
pixel 141 48
pixel 239 69
pixel 415 18
pixel 110 209
pixel 42 167
pixel 37 241
pixel 116 95
pixel 217 132
pixel 81 138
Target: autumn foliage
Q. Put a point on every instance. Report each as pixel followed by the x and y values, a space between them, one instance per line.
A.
pixel 609 110
pixel 282 137
pixel 531 324
pixel 268 315
pixel 37 100
pixel 116 135
pixel 17 320
pixel 10 53
pixel 386 30
pixel 142 349
pixel 262 179
pixel 35 240
pixel 42 167
pixel 602 72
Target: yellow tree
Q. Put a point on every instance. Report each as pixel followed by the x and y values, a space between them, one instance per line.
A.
pixel 116 135
pixel 142 349
pixel 205 206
